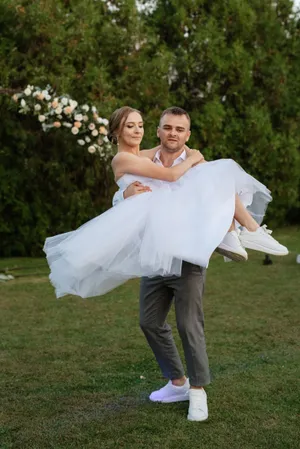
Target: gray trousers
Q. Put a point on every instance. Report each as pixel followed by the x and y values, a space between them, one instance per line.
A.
pixel 156 296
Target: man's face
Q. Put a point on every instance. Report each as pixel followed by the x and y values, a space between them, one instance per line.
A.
pixel 174 132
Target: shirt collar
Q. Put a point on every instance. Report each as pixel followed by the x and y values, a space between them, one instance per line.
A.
pixel 182 157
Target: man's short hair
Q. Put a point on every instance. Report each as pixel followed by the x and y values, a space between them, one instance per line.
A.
pixel 175 110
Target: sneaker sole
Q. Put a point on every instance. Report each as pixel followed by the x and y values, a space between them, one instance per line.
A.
pixel 199 420
pixel 263 249
pixel 233 256
pixel 169 400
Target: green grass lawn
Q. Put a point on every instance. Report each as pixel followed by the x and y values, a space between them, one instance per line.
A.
pixel 77 373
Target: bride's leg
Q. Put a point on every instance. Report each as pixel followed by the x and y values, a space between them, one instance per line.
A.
pixel 243 217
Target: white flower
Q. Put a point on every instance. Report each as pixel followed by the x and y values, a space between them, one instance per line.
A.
pixel 42 118
pixel 73 104
pixel 36 93
pixel 95 133
pixel 92 126
pixel 86 108
pixel 48 97
pixel 78 117
pixel 75 130
pixel 37 107
pixel 94 109
pixel 60 116
pixel 58 110
pixel 64 101
pixel 99 120
pixel 105 121
pixel 91 149
pixel 85 118
pixel 27 91
pixel 81 142
pixel 45 93
pixel 67 125
pixel 87 139
pixel 23 103
pixel 105 139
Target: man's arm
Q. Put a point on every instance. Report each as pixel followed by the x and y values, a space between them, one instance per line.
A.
pixel 118 197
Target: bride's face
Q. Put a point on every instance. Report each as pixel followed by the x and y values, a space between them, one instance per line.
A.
pixel 133 130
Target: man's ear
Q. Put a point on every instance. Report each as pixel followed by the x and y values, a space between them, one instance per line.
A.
pixel 157 132
pixel 189 135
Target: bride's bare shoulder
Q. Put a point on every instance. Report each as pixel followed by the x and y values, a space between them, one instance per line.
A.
pixel 118 162
pixel 121 156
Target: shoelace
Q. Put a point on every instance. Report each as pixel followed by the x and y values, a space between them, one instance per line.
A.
pixel 267 231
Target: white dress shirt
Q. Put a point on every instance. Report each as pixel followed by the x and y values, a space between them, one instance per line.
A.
pixel 119 195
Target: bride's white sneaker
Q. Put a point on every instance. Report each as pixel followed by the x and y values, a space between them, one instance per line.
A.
pixel 171 393
pixel 261 240
pixel 198 410
pixel 232 248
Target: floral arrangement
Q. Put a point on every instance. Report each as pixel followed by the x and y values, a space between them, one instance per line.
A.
pixel 55 111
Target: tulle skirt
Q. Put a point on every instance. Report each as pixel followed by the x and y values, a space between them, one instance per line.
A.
pixel 152 233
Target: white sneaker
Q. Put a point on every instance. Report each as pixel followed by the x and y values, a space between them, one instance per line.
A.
pixel 232 248
pixel 261 240
pixel 171 393
pixel 198 410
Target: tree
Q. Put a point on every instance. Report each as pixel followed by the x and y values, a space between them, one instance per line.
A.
pixel 235 68
pixel 234 65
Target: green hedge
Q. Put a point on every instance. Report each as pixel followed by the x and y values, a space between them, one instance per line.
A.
pixel 234 65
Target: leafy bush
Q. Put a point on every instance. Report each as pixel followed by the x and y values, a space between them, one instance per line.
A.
pixel 233 65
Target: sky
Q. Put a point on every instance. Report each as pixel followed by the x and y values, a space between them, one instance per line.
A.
pixel 149 5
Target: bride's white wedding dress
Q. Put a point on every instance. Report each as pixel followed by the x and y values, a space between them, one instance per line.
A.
pixel 152 233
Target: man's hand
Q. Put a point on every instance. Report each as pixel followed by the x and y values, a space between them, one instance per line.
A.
pixel 135 188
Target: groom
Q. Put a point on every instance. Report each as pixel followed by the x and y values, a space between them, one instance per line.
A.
pixel 158 293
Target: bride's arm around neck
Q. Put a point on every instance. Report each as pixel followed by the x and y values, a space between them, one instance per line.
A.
pixel 128 163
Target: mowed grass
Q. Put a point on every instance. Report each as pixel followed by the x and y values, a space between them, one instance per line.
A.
pixel 77 373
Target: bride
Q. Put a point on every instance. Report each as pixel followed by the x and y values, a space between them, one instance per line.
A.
pixel 184 217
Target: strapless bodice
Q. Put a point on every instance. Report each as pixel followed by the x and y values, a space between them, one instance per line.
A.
pixel 127 179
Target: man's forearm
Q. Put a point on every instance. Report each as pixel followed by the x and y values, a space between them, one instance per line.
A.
pixel 118 197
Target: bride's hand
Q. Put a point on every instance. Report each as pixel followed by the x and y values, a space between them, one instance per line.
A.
pixel 195 155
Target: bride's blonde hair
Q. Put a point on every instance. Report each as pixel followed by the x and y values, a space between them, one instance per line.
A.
pixel 117 121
